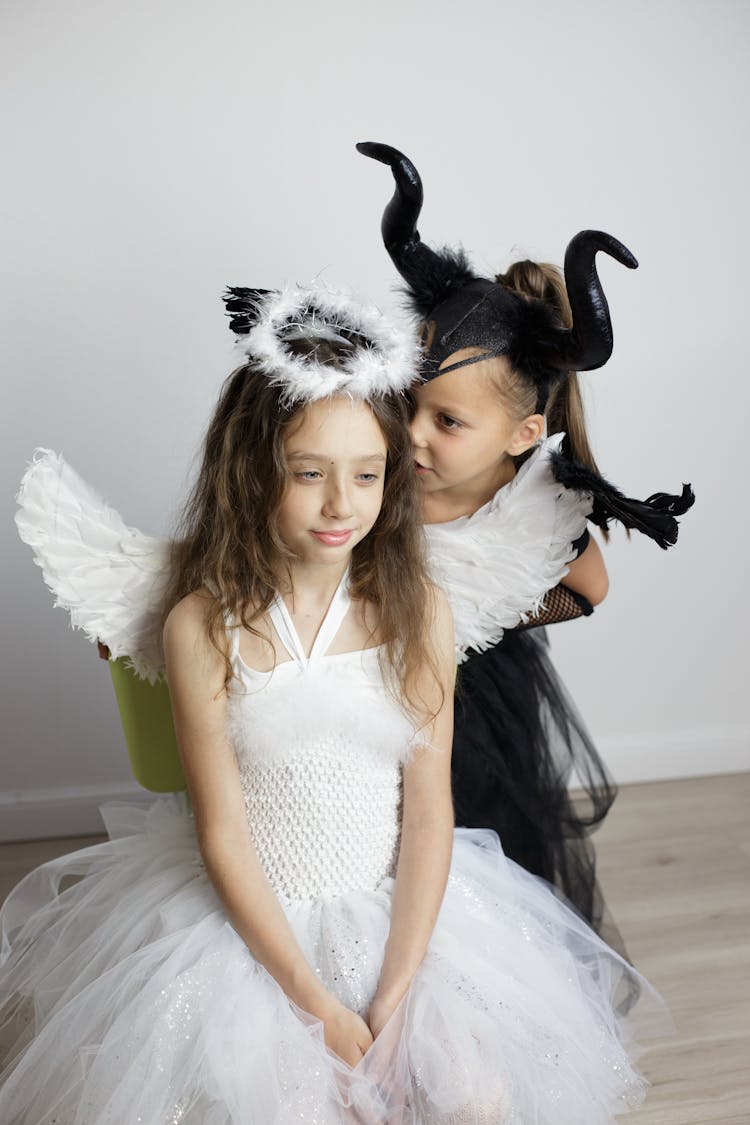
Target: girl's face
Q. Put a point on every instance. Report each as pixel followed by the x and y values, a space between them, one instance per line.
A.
pixel 462 433
pixel 336 459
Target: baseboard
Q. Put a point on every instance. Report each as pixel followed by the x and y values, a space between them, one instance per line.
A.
pixel 40 814
pixel 663 757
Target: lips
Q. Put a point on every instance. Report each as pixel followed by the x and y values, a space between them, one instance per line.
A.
pixel 333 538
pixel 421 468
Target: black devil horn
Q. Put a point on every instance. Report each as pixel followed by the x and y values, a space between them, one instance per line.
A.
pixel 430 275
pixel 589 342
pixel 399 223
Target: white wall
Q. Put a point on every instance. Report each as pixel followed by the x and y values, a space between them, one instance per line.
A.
pixel 157 150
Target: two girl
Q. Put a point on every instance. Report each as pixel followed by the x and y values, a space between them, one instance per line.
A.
pixel 313 942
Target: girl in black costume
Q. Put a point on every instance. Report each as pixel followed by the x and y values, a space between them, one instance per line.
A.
pixel 505 510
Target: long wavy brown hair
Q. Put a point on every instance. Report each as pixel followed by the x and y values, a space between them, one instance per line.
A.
pixel 228 546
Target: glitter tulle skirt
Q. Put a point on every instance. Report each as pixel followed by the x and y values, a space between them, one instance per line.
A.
pixel 126 996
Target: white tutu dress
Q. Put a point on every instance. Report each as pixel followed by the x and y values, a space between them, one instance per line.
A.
pixel 133 1000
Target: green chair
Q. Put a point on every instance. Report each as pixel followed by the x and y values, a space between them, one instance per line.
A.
pixel 147 723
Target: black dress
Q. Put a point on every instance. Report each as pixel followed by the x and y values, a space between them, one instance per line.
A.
pixel 519 741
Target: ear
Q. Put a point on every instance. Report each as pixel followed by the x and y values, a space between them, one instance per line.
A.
pixel 526 434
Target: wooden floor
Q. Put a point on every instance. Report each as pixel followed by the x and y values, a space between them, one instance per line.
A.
pixel 674 862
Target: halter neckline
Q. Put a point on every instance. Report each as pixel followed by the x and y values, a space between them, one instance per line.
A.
pixel 329 626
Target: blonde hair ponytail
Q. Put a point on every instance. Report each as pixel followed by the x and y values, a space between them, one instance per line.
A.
pixel 544 282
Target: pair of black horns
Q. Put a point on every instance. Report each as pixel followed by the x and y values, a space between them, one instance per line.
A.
pixel 433 275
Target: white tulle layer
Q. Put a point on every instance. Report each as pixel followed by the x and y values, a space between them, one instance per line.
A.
pixel 129 998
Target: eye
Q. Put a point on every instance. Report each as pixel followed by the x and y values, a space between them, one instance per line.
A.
pixel 368 478
pixel 447 422
pixel 308 474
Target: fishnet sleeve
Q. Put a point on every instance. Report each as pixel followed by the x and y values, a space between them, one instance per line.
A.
pixel 560 604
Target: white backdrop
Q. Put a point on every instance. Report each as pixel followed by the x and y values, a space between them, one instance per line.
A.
pixel 158 150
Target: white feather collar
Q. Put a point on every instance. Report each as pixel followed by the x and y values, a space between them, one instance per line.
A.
pixel 497 565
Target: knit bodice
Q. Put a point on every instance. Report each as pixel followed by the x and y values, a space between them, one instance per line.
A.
pixel 320 745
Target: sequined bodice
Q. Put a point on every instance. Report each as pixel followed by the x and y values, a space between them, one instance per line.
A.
pixel 320 745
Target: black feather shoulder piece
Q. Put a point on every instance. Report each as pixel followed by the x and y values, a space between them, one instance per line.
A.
pixel 654 517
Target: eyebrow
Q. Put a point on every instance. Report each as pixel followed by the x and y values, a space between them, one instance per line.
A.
pixel 304 456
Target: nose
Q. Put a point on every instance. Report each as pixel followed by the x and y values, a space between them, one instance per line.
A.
pixel 417 431
pixel 337 504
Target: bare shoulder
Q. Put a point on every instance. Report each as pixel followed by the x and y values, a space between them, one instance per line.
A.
pixel 442 614
pixel 438 614
pixel 186 629
pixel 441 627
pixel 188 616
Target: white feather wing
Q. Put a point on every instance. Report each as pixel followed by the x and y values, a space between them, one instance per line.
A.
pixel 497 565
pixel 110 577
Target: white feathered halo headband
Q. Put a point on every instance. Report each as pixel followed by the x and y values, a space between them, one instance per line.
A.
pixel 376 358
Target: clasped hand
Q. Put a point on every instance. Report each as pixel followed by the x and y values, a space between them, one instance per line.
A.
pixel 348 1035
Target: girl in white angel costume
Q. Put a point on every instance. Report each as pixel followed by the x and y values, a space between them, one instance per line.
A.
pixel 311 941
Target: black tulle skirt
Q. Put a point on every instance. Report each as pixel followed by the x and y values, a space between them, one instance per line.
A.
pixel 518 742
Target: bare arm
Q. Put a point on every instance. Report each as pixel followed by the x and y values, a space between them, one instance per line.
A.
pixel 195 672
pixel 587 574
pixel 426 834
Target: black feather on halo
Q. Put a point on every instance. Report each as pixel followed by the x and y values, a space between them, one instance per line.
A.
pixel 654 517
pixel 244 306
